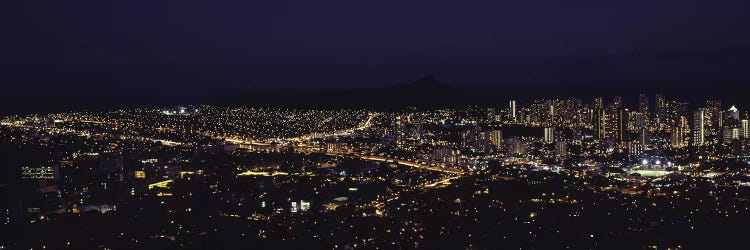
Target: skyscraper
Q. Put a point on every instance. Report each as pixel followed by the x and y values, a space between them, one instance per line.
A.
pixel 660 112
pixel 730 134
pixel 617 102
pixel 643 103
pixel 679 133
pixel 597 117
pixel 699 127
pixel 644 137
pixel 561 149
pixel 512 109
pixel 660 104
pixel 549 135
pixel 615 123
pixel 676 137
pixel 716 116
pixel 496 138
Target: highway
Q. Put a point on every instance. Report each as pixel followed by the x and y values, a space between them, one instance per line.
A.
pixel 387 159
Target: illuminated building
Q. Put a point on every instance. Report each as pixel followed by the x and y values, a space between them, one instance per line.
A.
pixel 679 133
pixel 707 124
pixel 714 107
pixel 301 206
pixel 643 103
pixel 730 134
pixel 561 149
pixel 304 205
pixel 40 173
pixel 515 146
pixel 660 112
pixel 700 127
pixel 732 126
pixel 541 112
pixel 475 138
pixel 441 155
pixel 676 137
pixel 549 135
pixel 733 113
pixel 161 184
pixel 597 118
pixel 336 147
pixel 615 124
pixel 635 149
pixel 103 208
pixel 496 138
pixel 644 137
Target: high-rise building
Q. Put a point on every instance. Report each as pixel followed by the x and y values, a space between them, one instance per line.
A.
pixel 660 105
pixel 400 130
pixel 660 112
pixel 745 128
pixel 676 137
pixel 496 138
pixel 733 113
pixel 716 116
pixel 699 127
pixel 597 118
pixel 515 146
pixel 707 124
pixel 634 149
pixel 643 103
pixel 112 165
pixel 549 135
pixel 644 137
pixel 616 102
pixel 679 133
pixel 512 109
pixel 441 155
pixel 551 108
pixel 476 139
pixel 730 134
pixel 731 125
pixel 563 112
pixel 672 111
pixel 615 124
pixel 541 112
pixel 561 149
pixel 640 120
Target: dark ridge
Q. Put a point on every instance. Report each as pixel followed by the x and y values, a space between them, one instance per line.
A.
pixel 424 92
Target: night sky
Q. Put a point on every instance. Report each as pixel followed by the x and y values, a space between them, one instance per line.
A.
pixel 202 46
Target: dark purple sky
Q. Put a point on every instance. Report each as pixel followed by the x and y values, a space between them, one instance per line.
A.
pixel 215 45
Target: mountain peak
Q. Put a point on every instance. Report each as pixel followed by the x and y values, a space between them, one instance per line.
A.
pixel 428 80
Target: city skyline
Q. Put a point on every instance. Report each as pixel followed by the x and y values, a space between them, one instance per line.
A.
pixel 427 91
pixel 258 170
pixel 420 124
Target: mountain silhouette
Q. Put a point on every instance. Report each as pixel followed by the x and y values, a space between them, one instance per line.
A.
pixel 423 92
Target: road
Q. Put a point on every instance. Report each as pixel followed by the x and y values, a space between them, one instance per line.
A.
pixel 388 159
